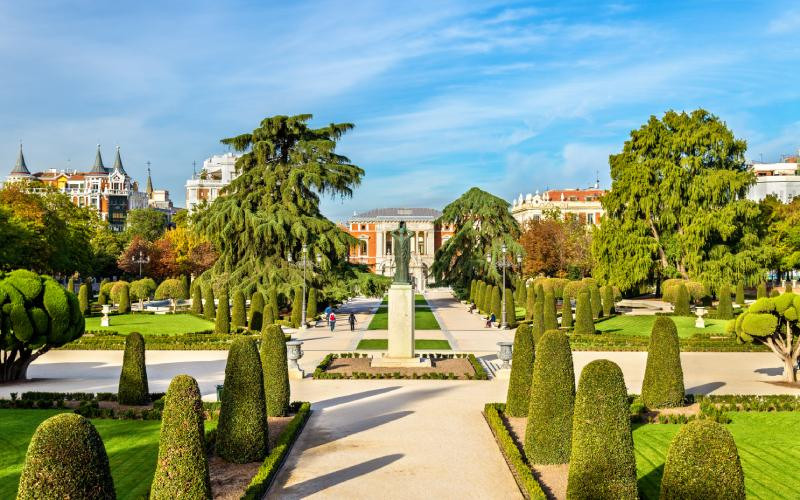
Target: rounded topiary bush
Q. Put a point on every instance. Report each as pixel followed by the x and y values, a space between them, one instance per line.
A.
pixel 663 376
pixel 197 300
pixel 83 298
pixel 222 324
pixel 682 301
pixel 209 308
pixel 550 316
pixel 276 371
pixel 256 311
pixel 182 466
pixel 602 463
pixel 549 431
pixel 725 307
pixel 519 384
pixel 242 429
pixel 238 316
pixel 703 462
pixel 133 388
pixel 66 459
pixel 584 324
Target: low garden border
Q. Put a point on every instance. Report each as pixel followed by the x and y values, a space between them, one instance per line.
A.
pixel 320 372
pixel 272 464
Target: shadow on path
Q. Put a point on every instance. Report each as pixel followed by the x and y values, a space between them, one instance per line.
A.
pixel 320 483
pixel 705 389
pixel 328 403
pixel 770 371
pixel 322 436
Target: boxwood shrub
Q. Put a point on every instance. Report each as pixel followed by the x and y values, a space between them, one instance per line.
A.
pixel 133 388
pixel 519 384
pixel 276 372
pixel 608 300
pixel 550 316
pixel 549 430
pixel 724 307
pixel 182 466
pixel 584 325
pixel 242 430
pixel 66 459
pixel 256 311
pixel 663 376
pixel 209 309
pixel 682 301
pixel 238 316
pixel 222 324
pixel 703 462
pixel 602 463
pixel 197 300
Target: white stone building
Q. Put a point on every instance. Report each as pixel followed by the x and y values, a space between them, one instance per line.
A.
pixel 780 179
pixel 218 171
pixel 581 203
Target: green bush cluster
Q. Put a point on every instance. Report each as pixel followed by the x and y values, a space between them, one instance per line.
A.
pixel 222 324
pixel 133 388
pixel 602 462
pixel 549 430
pixel 238 316
pixel 276 373
pixel 66 459
pixel 182 466
pixel 242 435
pixel 682 301
pixel 519 384
pixel 703 462
pixel 209 308
pixel 663 376
pixel 297 308
pixel 724 307
pixel 584 324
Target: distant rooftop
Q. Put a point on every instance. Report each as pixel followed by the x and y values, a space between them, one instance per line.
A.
pixel 397 214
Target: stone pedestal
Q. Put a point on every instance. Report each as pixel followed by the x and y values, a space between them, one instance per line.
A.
pixel 401 330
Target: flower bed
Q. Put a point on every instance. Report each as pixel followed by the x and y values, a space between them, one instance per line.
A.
pixel 357 366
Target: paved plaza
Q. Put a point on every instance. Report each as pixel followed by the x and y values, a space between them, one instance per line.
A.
pixel 394 438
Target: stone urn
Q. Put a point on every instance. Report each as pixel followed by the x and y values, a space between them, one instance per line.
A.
pixel 505 354
pixel 293 353
pixel 699 323
pixel 105 320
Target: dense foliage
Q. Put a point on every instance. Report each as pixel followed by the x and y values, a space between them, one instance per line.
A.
pixel 556 246
pixel 222 323
pixel 584 324
pixel 276 373
pixel 773 321
pixel 238 315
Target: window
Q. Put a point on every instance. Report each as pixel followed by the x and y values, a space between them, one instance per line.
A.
pixel 590 218
pixel 362 247
pixel 363 227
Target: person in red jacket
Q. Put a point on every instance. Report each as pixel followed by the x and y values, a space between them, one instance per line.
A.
pixel 332 320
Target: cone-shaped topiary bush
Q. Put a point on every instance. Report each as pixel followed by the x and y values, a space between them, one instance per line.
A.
pixel 550 315
pixel 497 304
pixel 184 287
pixel 83 299
pixel 487 299
pixel 537 322
pixel 549 431
pixel 583 314
pixel 511 310
pixel 276 371
pixel 238 317
pixel 256 311
pixel 272 300
pixel 297 307
pixel 267 318
pixel 594 297
pixel 182 466
pixel 222 324
pixel 566 312
pixel 608 300
pixel 133 388
pixel 663 376
pixel 682 301
pixel 209 308
pixel 761 290
pixel 66 459
pixel 124 306
pixel 519 384
pixel 703 462
pixel 724 307
pixel 311 307
pixel 242 430
pixel 71 285
pixel 472 289
pixel 740 293
pixel 197 300
pixel 787 286
pixel 530 304
pixel 602 464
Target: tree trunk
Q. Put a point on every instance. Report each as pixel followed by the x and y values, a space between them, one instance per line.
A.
pixel 15 366
pixel 789 369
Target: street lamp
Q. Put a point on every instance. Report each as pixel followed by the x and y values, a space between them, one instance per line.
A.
pixel 304 264
pixel 142 259
pixel 503 264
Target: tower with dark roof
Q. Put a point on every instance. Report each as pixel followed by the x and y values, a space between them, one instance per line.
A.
pixel 118 163
pixel 20 170
pixel 98 167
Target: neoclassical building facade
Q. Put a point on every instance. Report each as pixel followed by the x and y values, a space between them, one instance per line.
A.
pixel 584 204
pixel 373 230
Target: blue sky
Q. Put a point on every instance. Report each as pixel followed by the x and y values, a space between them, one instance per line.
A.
pixel 509 96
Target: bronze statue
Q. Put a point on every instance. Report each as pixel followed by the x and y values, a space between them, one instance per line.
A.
pixel 401 241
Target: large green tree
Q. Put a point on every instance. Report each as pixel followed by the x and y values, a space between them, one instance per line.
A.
pixel 147 223
pixel 677 206
pixel 783 231
pixel 272 208
pixel 482 224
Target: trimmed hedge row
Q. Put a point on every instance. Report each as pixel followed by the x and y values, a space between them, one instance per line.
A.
pixel 321 373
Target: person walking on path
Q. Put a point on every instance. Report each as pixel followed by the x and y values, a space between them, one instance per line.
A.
pixel 327 315
pixel 352 320
pixel 332 320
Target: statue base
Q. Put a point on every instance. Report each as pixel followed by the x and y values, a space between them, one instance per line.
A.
pixel 401 330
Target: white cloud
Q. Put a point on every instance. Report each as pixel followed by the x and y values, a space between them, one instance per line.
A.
pixel 786 23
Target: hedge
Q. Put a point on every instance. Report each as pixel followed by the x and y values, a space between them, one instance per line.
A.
pixel 496 303
pixel 311 307
pixel 740 293
pixel 594 297
pixel 602 462
pixel 522 473
pixel 550 316
pixel 566 313
pixel 256 320
pixel 133 389
pixel 66 459
pixel 724 307
pixel 272 300
pixel 549 430
pixel 663 376
pixel 222 324
pixel 703 462
pixel 276 371
pixel 537 323
pixel 83 299
pixel 530 304
pixel 238 316
pixel 209 308
pixel 242 430
pixel 511 310
pixel 269 468
pixel 682 301
pixel 185 287
pixel 169 289
pixel 182 466
pixel 124 306
pixel 761 290
pixel 584 324
pixel 519 384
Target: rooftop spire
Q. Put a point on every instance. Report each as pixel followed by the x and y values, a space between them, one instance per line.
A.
pixel 20 168
pixel 118 163
pixel 149 188
pixel 98 167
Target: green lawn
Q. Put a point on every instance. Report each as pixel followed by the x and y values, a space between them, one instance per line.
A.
pixel 132 447
pixel 423 317
pixel 642 325
pixel 419 300
pixel 383 344
pixel 152 324
pixel 767 444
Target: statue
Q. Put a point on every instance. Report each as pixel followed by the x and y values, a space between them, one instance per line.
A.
pixel 401 241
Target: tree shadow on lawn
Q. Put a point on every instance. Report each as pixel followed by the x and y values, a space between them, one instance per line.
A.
pixel 649 485
pixel 705 389
pixel 320 483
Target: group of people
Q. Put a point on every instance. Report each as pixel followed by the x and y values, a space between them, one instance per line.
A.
pixel 489 319
pixel 330 317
